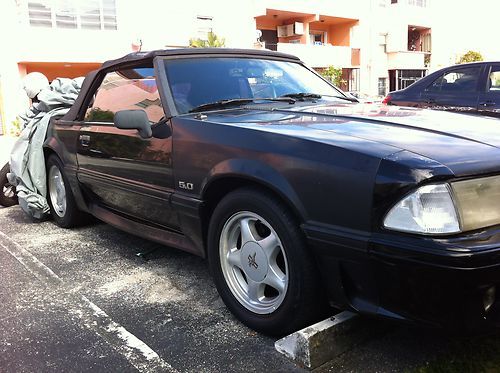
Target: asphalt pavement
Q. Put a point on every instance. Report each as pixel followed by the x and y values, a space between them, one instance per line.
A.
pixel 82 300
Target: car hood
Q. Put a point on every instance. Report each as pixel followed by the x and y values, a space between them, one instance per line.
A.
pixel 466 144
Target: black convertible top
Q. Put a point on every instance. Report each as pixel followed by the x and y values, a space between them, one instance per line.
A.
pixel 138 56
pixel 148 57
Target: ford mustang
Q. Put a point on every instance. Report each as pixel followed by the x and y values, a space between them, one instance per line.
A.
pixel 297 195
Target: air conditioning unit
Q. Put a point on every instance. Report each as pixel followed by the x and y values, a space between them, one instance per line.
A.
pixel 296 28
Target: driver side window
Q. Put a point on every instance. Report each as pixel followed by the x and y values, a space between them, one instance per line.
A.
pixel 128 89
pixel 457 80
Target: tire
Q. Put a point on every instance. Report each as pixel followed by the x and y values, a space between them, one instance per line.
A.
pixel 7 191
pixel 62 204
pixel 271 286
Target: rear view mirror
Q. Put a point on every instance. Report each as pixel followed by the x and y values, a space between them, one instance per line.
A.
pixel 134 119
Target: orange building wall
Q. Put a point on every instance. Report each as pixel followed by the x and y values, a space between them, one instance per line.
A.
pixel 57 69
pixel 266 24
pixel 340 34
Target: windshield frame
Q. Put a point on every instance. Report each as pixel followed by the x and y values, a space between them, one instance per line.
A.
pixel 165 87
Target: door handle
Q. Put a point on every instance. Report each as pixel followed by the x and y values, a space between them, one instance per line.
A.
pixel 84 140
pixel 487 103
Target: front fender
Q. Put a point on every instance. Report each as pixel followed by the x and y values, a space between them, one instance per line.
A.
pixel 257 172
pixel 399 174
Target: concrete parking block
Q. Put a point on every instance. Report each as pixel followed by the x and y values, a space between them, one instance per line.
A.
pixel 325 340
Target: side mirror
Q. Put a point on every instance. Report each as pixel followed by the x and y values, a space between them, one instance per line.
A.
pixel 134 119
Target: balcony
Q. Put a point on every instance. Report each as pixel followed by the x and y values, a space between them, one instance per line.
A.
pixel 319 55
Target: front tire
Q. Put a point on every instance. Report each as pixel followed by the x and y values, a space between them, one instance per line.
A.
pixel 260 263
pixel 62 204
pixel 8 195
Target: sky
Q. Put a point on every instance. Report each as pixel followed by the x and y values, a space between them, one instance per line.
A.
pixel 469 25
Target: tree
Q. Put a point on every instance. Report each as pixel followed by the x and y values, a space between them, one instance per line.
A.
pixel 213 41
pixel 334 75
pixel 470 56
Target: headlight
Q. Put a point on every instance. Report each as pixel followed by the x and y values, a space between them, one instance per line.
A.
pixel 428 210
pixel 448 208
pixel 478 202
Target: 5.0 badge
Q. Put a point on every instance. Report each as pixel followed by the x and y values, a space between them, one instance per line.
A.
pixel 187 186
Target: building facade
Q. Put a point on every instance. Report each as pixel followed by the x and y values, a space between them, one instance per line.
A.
pixel 381 45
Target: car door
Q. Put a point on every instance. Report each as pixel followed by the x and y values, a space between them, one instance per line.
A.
pixel 121 170
pixel 457 89
pixel 489 99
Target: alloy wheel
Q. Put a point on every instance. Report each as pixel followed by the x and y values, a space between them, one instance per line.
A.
pixel 57 191
pixel 253 262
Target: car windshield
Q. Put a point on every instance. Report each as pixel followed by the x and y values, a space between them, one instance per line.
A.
pixel 200 81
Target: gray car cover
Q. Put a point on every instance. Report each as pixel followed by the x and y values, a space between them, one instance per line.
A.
pixel 27 162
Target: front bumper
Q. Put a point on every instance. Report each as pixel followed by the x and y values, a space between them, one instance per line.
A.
pixel 438 282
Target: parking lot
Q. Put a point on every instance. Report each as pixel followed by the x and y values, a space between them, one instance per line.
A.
pixel 81 300
pixel 75 300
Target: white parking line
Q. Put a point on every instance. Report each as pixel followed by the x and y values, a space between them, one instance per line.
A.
pixel 138 353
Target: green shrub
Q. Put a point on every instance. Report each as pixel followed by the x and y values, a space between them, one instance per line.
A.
pixel 470 56
pixel 334 75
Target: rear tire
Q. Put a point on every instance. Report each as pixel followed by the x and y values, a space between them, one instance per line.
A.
pixel 260 263
pixel 62 204
pixel 8 195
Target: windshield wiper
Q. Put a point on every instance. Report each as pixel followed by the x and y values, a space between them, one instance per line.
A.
pixel 302 95
pixel 305 95
pixel 344 98
pixel 238 101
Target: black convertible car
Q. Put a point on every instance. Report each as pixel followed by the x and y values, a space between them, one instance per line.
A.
pixel 294 193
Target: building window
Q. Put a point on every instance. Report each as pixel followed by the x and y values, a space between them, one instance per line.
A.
pixel 382 86
pixel 400 79
pixel 66 15
pixel 73 14
pixel 420 3
pixel 383 42
pixel 350 80
pixel 426 43
pixel 204 26
pixel 91 17
pixel 354 80
pixel 39 14
pixel 317 37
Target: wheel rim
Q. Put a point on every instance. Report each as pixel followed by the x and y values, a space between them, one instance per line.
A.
pixel 253 262
pixel 9 191
pixel 57 191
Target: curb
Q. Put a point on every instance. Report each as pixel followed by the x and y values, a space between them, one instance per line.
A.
pixel 315 345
